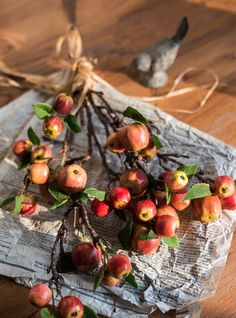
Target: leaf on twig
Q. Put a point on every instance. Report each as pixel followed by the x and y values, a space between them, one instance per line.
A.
pixel 198 190
pixel 45 313
pixel 171 241
pixel 6 202
pixel 168 194
pixel 33 137
pixel 157 142
pixel 133 113
pixel 89 312
pixel 99 277
pixel 125 233
pixel 120 214
pixel 71 122
pixel 56 193
pixel 150 235
pixel 189 170
pixel 18 204
pixel 25 161
pixel 95 193
pixel 42 110
pixel 130 279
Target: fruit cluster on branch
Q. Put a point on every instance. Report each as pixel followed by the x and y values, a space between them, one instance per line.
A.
pixel 150 206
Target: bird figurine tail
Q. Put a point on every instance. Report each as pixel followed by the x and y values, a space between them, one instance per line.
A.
pixel 182 30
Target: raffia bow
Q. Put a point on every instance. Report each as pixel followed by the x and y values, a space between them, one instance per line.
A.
pixel 79 75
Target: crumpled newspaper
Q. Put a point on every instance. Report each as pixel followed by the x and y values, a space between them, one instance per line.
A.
pixel 169 279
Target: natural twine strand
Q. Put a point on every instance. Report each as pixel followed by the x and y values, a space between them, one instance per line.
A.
pixel 83 77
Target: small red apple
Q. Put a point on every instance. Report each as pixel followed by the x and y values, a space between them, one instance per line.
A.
pixel 70 307
pixel 119 198
pixel 21 147
pixel 40 295
pixel 119 266
pixel 41 153
pixel 207 209
pixel 52 127
pixel 134 137
pixel 29 204
pixel 100 208
pixel 135 180
pixel 177 203
pixel 229 203
pixel 167 221
pixel 63 104
pixel 72 178
pixel 86 256
pixel 147 246
pixel 224 186
pixel 39 173
pixel 175 180
pixel 145 210
pixel 114 144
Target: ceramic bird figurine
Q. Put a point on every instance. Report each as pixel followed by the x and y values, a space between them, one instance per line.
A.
pixel 151 65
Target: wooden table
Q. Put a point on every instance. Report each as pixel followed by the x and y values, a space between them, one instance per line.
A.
pixel 113 31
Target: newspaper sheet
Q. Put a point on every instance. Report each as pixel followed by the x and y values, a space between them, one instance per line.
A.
pixel 169 279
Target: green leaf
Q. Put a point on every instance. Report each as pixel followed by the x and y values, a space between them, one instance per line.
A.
pixel 71 122
pixel 33 137
pixel 150 235
pixel 120 214
pixel 81 197
pixel 89 312
pixel 171 241
pixel 235 182
pixel 189 170
pixel 198 190
pixel 25 161
pixel 130 279
pixel 94 193
pixel 45 313
pixel 125 233
pixel 58 204
pixel 157 142
pixel 18 204
pixel 99 277
pixel 133 113
pixel 6 202
pixel 56 193
pixel 42 110
pixel 168 194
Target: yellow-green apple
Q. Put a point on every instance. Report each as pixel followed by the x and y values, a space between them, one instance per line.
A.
pixel 22 147
pixel 119 198
pixel 175 180
pixel 224 186
pixel 145 210
pixel 52 127
pixel 229 203
pixel 119 266
pixel 134 137
pixel 114 144
pixel 86 256
pixel 72 178
pixel 141 244
pixel 40 295
pixel 63 104
pixel 167 221
pixel 177 203
pixel 135 180
pixel 39 173
pixel 70 307
pixel 41 153
pixel 207 209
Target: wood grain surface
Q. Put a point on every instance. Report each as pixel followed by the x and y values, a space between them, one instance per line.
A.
pixel 113 31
